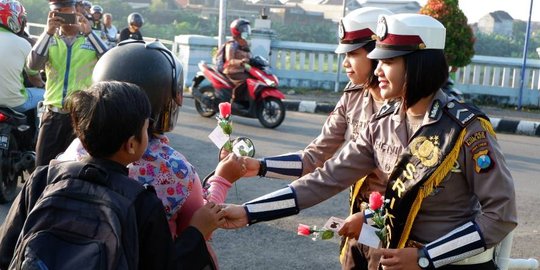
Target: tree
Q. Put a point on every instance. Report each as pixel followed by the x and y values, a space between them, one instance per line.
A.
pixel 459 47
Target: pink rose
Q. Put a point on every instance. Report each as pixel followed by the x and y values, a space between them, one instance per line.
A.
pixel 375 200
pixel 304 230
pixel 225 109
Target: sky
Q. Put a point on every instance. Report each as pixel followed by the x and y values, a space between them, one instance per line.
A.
pixel 518 9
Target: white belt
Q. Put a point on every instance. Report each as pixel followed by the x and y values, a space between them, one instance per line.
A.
pixel 483 257
pixel 51 108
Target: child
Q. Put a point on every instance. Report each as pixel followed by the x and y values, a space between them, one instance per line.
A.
pixel 177 184
pixel 114 135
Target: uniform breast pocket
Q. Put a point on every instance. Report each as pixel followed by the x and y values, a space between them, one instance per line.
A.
pixel 386 161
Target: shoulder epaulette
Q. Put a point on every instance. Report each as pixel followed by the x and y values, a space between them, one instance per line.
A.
pixel 388 108
pixel 463 113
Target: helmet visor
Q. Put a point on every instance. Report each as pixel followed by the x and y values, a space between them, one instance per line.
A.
pixel 169 113
pixel 245 30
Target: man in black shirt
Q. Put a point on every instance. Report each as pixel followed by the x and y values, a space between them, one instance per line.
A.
pixel 135 22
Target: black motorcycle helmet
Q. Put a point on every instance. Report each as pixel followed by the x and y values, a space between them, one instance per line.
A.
pixel 135 19
pixel 151 66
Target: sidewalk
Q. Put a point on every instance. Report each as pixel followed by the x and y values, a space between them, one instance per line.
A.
pixel 504 120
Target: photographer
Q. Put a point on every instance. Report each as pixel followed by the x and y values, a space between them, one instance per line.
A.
pixel 68 51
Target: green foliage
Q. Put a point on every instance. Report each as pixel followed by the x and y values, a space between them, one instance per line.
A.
pixel 459 46
pixel 508 46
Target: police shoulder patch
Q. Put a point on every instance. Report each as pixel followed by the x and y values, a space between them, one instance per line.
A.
pixel 482 161
pixel 462 112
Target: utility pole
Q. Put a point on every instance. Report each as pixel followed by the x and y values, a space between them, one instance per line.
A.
pixel 524 65
pixel 222 22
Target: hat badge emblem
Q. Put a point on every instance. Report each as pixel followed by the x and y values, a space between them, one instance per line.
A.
pixel 341 30
pixel 382 28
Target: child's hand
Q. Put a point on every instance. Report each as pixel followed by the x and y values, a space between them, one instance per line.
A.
pixel 223 153
pixel 208 218
pixel 231 168
pixel 352 226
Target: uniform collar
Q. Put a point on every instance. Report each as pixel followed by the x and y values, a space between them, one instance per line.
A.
pixel 351 87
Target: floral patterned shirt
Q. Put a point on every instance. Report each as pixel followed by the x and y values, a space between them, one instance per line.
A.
pixel 167 171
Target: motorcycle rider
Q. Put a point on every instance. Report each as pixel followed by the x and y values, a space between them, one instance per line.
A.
pixel 135 22
pixel 97 12
pixel 237 53
pixel 13 52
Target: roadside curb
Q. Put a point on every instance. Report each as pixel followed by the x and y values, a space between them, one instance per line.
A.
pixel 502 125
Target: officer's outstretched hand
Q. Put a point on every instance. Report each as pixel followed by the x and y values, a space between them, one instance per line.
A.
pixel 252 166
pixel 352 226
pixel 235 217
pixel 403 258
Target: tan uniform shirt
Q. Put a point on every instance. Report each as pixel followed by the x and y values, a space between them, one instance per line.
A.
pixel 487 197
pixel 350 116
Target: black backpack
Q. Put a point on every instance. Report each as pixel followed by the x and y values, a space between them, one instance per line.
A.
pixel 82 220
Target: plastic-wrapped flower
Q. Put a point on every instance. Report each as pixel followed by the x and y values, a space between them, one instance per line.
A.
pixel 323 234
pixel 375 200
pixel 304 230
pixel 224 121
pixel 378 218
pixel 225 109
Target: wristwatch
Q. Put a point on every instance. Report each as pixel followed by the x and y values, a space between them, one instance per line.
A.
pixel 423 261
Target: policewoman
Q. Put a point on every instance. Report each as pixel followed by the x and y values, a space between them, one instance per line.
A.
pixel 360 100
pixel 68 51
pixel 450 196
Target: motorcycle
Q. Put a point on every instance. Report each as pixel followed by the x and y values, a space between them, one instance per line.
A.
pixel 263 100
pixel 18 135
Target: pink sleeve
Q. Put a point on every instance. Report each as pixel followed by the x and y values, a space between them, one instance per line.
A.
pixel 217 192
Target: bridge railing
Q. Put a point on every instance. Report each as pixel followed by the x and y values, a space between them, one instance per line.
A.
pixel 314 66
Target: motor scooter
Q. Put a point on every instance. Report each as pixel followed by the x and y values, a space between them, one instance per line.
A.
pixel 18 135
pixel 263 100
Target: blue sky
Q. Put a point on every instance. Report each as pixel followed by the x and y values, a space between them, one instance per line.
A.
pixel 518 9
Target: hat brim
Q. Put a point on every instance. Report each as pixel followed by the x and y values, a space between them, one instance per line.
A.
pixel 345 48
pixel 379 53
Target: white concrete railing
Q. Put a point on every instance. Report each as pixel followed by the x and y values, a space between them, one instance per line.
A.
pixel 314 65
pixel 501 77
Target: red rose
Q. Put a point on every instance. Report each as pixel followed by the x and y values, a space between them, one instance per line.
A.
pixel 375 200
pixel 304 230
pixel 225 109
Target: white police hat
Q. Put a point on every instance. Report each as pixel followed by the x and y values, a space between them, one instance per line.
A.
pixel 402 34
pixel 358 28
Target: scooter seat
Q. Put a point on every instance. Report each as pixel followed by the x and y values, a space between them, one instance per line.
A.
pixel 15 117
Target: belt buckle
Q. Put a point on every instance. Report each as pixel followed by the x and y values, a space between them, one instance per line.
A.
pixel 51 108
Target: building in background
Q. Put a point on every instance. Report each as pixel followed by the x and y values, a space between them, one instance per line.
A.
pixel 497 22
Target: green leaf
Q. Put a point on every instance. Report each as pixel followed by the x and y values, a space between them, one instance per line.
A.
pixel 328 234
